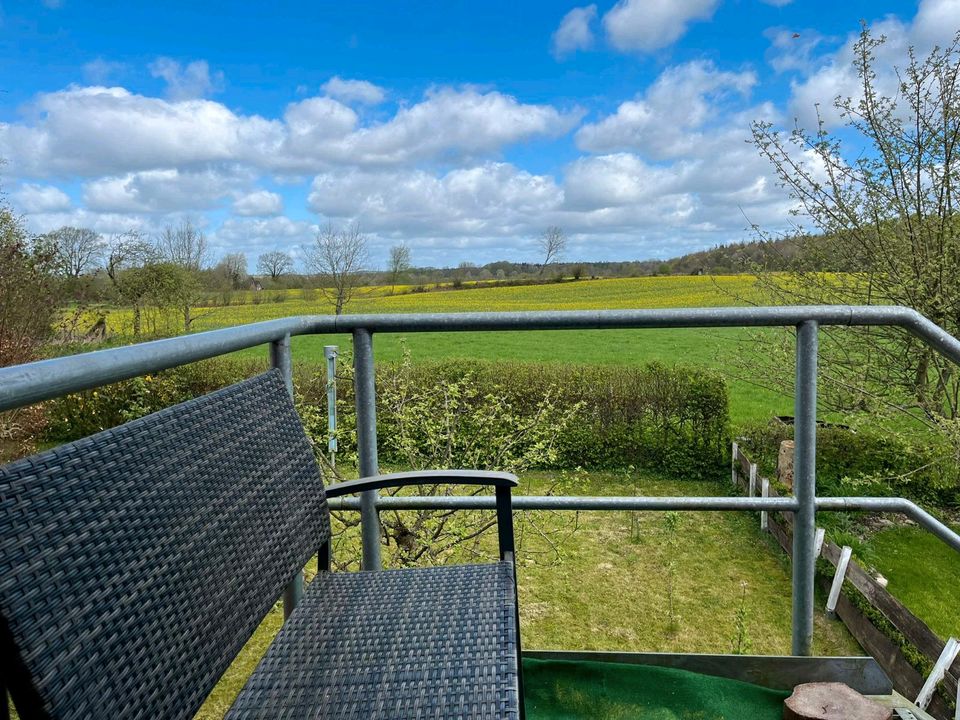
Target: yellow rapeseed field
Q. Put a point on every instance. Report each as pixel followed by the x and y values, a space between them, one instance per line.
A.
pixel 616 293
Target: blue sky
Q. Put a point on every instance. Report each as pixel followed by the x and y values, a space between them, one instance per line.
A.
pixel 462 129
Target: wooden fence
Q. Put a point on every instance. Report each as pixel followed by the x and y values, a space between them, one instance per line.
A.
pixel 879 607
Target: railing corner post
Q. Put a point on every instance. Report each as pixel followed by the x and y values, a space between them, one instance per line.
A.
pixel 804 484
pixel 366 403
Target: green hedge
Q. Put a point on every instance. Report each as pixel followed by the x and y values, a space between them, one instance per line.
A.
pixel 670 419
pixel 866 462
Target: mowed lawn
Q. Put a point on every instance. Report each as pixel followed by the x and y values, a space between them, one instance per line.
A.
pixel 726 350
pixel 616 579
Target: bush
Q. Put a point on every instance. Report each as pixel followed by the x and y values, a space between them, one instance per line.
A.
pixel 867 462
pixel 672 420
pixel 75 416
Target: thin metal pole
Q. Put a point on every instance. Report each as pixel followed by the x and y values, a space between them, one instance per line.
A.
pixel 366 398
pixel 281 359
pixel 804 486
pixel 330 353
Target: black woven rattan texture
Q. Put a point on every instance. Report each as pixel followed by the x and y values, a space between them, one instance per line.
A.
pixel 427 643
pixel 135 563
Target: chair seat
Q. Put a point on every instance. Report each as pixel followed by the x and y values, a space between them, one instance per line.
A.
pixel 421 643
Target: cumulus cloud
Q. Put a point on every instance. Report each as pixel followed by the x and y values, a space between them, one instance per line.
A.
pixel 359 91
pixel 794 51
pixel 30 198
pixel 489 199
pixel 648 25
pixel 574 32
pixel 834 75
pixel 167 190
pixel 186 82
pixel 257 235
pixel 663 122
pixel 93 131
pixel 258 204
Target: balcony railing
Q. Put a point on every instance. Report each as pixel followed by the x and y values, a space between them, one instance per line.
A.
pixel 25 384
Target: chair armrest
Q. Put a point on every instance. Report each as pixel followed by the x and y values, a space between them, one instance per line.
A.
pixel 423 477
pixel 502 481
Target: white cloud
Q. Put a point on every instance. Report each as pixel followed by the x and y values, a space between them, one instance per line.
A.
pixel 95 131
pixel 92 131
pixel 665 121
pixel 168 190
pixel 30 198
pixel 186 83
pixel 574 32
pixel 833 75
pixel 100 71
pixel 648 25
pixel 490 199
pixel 794 51
pixel 258 203
pixel 257 235
pixel 360 91
pixel 447 124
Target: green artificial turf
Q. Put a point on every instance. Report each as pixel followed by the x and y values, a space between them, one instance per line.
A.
pixel 572 690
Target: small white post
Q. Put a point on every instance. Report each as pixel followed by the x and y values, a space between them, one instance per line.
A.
pixel 752 489
pixel 838 577
pixel 956 715
pixel 734 459
pixel 764 492
pixel 945 660
pixel 818 542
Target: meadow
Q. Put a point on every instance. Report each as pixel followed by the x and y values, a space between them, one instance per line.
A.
pixel 713 348
pixel 633 583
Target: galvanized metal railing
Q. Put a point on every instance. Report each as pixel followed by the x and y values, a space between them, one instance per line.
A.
pixel 25 384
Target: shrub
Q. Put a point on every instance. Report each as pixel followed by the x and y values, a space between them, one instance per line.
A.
pixel 867 462
pixel 471 413
pixel 673 420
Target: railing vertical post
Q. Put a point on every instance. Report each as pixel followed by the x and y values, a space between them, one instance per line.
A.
pixel 366 398
pixel 281 359
pixel 804 486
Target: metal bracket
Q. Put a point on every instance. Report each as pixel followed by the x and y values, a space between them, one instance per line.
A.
pixel 949 654
pixel 838 577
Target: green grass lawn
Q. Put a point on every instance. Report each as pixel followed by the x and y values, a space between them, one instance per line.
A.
pixel 718 348
pixel 613 583
pixel 923 573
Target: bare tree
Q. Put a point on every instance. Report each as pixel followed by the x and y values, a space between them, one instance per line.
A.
pixel 233 267
pixel 338 256
pixel 399 262
pixel 552 243
pixel 124 251
pixel 184 245
pixel 78 250
pixel 275 264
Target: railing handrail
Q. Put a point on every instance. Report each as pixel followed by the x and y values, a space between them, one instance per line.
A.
pixel 33 382
pixel 45 379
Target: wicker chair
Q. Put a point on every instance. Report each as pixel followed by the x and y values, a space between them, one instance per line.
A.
pixel 135 563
